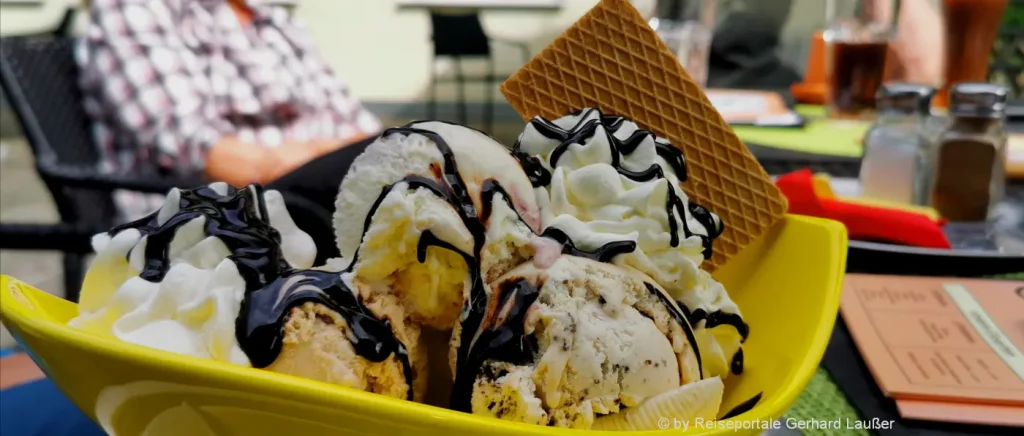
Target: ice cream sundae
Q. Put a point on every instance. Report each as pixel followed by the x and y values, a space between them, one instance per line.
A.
pixel 565 271
pixel 567 274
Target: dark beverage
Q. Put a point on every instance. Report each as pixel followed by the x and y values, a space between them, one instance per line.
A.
pixel 971 30
pixel 856 71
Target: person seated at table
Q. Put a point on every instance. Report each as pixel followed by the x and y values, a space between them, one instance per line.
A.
pixel 231 89
pixel 745 47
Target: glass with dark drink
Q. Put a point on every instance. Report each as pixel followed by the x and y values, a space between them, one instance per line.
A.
pixel 858 38
pixel 856 73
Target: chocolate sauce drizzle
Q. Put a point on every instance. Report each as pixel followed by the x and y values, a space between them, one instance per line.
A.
pixel 272 288
pixel 587 127
pixel 266 309
pixel 505 342
pixel 535 171
pixel 736 366
pixel 488 189
pixel 604 253
pixel 239 219
pixel 681 320
pixel 743 407
pixel 455 193
pixel 715 319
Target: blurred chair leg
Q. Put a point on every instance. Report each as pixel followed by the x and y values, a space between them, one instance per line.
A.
pixel 432 100
pixel 460 82
pixel 74 272
pixel 525 48
pixel 489 82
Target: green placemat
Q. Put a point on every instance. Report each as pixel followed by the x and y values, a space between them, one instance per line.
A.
pixel 823 400
pixel 819 136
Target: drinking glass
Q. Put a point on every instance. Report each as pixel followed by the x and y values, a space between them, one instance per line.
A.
pixel 857 37
pixel 686 26
pixel 971 30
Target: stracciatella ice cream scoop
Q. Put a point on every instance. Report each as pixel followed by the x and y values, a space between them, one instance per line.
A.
pixel 599 180
pixel 429 212
pixel 566 344
pixel 223 274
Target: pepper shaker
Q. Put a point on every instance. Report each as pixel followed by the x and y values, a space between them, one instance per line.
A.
pixel 970 163
pixel 897 149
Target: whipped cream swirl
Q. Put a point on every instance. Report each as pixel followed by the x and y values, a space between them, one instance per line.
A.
pixel 601 179
pixel 176 279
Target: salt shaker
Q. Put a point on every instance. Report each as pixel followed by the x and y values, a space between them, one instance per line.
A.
pixel 897 149
pixel 970 162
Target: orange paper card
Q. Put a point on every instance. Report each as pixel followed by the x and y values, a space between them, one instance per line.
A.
pixel 964 413
pixel 940 340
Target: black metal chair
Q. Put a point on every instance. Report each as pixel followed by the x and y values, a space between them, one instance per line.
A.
pixel 461 36
pixel 39 79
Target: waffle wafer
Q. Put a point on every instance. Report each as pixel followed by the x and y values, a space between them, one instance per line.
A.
pixel 612 60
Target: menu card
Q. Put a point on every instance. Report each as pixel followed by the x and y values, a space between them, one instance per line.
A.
pixel 944 349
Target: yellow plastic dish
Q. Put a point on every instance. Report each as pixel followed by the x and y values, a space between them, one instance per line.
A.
pixel 786 284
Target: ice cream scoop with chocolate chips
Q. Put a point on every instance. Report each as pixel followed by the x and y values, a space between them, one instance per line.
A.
pixel 574 344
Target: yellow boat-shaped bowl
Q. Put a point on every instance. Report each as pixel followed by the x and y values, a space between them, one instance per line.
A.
pixel 787 285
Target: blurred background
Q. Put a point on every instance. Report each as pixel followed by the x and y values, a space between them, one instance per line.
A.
pixel 905 117
pixel 395 60
pixel 383 50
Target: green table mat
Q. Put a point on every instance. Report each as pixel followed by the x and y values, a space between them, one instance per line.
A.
pixel 819 136
pixel 823 400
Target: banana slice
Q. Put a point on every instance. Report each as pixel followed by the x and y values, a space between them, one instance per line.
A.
pixel 686 403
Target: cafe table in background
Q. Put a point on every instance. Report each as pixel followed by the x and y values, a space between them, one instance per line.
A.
pixel 842 138
pixel 479 4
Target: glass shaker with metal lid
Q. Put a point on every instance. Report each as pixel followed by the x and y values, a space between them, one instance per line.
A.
pixel 897 148
pixel 970 163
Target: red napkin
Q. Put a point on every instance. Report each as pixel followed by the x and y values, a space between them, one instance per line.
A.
pixel 862 222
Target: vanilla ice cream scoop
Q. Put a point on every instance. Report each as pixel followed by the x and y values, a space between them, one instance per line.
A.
pixel 599 180
pixel 564 344
pixel 429 212
pixel 219 273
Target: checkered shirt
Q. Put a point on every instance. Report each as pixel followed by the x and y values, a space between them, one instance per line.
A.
pixel 164 80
